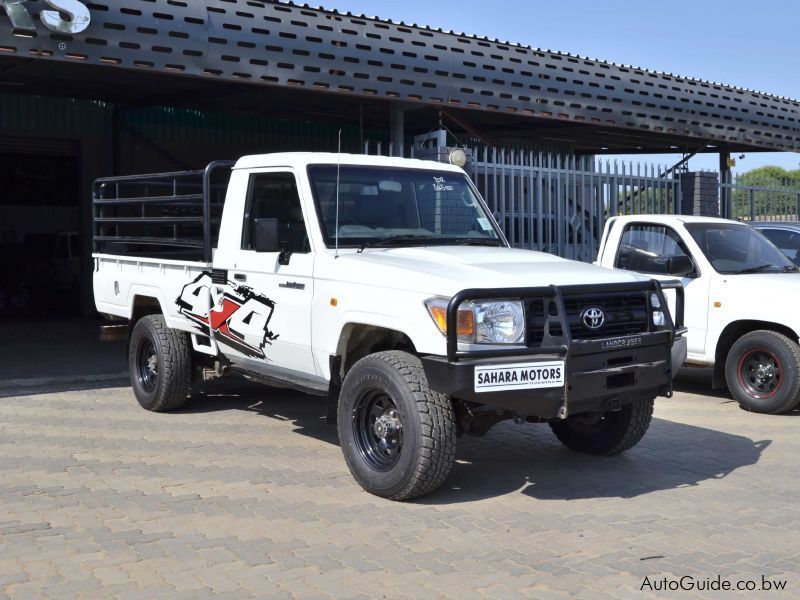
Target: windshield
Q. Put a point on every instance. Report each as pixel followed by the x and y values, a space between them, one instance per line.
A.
pixel 734 249
pixel 391 206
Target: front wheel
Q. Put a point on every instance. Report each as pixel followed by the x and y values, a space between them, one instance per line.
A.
pixel 397 435
pixel 606 434
pixel 763 372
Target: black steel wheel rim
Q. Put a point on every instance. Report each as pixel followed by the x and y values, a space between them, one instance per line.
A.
pixel 760 373
pixel 147 366
pixel 378 430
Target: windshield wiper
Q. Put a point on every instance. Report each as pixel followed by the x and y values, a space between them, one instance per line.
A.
pixel 476 242
pixel 393 240
pixel 758 269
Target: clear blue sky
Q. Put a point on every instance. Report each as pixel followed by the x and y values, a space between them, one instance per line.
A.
pixel 744 43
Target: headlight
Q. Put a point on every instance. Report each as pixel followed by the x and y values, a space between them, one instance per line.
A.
pixel 490 322
pixel 500 322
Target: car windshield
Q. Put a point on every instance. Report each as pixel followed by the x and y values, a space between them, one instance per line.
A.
pixel 736 249
pixel 785 237
pixel 399 207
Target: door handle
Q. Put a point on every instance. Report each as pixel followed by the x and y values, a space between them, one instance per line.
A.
pixel 240 277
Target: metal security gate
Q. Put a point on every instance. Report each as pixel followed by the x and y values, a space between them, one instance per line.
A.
pixel 762 196
pixel 559 203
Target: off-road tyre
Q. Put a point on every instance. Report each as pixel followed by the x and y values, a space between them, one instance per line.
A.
pixel 393 383
pixel 168 388
pixel 778 391
pixel 607 434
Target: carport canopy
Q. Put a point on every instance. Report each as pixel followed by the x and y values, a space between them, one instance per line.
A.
pixel 291 61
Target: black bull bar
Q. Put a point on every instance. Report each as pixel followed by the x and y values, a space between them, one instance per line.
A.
pixel 600 374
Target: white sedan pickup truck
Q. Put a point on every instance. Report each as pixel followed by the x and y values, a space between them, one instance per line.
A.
pixel 740 295
pixel 386 286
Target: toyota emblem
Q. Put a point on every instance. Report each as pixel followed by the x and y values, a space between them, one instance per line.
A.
pixel 593 317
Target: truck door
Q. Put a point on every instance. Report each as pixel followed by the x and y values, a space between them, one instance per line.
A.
pixel 646 248
pixel 264 318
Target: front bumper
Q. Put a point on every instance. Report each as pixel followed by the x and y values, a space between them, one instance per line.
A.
pixel 595 379
pixel 600 375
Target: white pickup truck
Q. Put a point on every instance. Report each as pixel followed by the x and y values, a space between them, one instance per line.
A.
pixel 740 294
pixel 385 285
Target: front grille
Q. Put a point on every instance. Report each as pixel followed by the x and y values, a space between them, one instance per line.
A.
pixel 626 313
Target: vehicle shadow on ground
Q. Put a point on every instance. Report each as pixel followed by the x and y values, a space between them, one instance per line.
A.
pixel 672 455
pixel 305 412
pixel 525 458
pixel 698 381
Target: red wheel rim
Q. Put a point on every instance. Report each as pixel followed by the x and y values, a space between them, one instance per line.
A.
pixel 760 373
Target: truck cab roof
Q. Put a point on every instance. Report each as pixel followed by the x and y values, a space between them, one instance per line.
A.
pixel 301 160
pixel 671 219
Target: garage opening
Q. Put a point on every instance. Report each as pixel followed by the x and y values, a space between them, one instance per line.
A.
pixel 41 258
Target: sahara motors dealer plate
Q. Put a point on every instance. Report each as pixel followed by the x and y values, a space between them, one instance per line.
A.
pixel 498 378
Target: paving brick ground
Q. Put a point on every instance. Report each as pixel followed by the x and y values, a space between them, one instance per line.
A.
pixel 246 494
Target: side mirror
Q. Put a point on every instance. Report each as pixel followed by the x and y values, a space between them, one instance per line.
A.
pixel 680 266
pixel 265 232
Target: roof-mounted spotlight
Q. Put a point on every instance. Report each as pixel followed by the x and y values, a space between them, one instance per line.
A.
pixel 458 157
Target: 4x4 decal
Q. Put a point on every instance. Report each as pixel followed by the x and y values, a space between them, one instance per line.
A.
pixel 239 319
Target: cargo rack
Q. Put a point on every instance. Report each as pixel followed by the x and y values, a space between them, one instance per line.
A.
pixel 160 215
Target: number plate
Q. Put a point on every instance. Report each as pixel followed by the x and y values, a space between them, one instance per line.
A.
pixel 500 378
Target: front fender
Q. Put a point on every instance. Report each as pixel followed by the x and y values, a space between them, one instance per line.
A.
pixel 419 328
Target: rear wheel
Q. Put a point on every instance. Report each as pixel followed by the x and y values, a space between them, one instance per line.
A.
pixel 398 436
pixel 606 433
pixel 763 372
pixel 160 364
